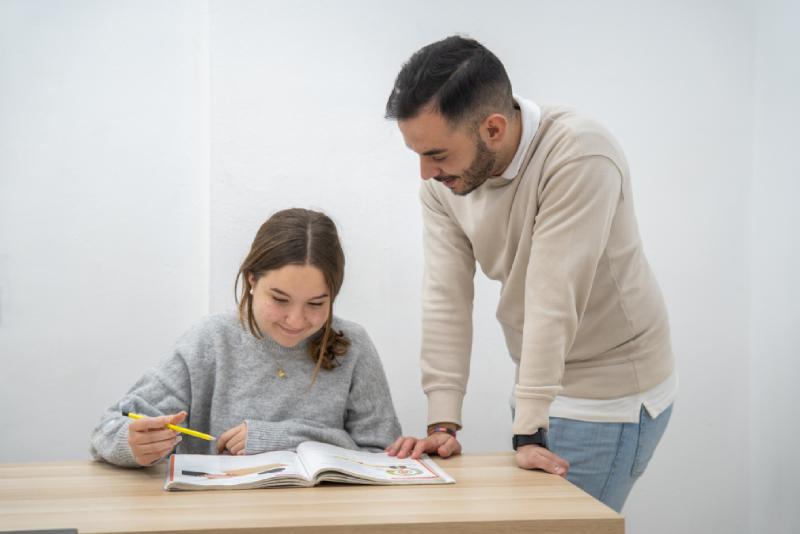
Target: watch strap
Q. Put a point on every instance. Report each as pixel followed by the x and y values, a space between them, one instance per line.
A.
pixel 438 428
pixel 537 438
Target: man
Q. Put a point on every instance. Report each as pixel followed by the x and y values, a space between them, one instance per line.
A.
pixel 541 199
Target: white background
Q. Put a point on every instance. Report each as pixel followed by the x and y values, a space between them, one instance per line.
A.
pixel 142 143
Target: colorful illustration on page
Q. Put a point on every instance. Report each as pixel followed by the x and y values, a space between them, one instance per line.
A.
pixel 396 471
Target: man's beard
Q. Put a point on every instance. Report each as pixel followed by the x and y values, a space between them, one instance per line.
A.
pixel 478 172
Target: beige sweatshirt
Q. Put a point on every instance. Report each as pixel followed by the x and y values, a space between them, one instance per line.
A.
pixel 579 305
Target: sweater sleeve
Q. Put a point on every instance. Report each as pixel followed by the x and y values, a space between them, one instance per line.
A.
pixel 163 390
pixel 570 233
pixel 447 299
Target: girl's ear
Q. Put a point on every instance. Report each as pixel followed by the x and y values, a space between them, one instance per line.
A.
pixel 251 279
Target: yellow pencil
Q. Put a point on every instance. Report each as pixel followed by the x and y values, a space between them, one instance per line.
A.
pixel 176 428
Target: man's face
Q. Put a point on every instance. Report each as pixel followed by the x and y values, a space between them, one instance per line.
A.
pixel 455 156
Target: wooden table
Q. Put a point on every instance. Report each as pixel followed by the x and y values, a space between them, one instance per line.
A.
pixel 491 495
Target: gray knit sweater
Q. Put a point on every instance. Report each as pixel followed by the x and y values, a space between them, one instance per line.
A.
pixel 222 376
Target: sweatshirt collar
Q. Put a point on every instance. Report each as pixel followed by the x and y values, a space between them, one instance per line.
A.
pixel 529 115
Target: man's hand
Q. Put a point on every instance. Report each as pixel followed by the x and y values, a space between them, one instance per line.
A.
pixel 439 443
pixel 537 457
pixel 233 440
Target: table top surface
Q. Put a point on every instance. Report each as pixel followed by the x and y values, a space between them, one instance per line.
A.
pixel 491 494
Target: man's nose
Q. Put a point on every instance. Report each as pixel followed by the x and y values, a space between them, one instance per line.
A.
pixel 428 170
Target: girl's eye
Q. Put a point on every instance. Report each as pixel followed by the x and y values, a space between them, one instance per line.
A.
pixel 280 301
pixel 316 304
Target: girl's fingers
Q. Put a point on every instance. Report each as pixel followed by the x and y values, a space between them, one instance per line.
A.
pixel 178 418
pixel 151 452
pixel 224 438
pixel 237 448
pixel 152 429
pixel 151 436
pixel 151 423
pixel 158 448
pixel 236 443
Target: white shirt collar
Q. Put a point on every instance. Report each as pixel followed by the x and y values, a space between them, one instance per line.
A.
pixel 529 115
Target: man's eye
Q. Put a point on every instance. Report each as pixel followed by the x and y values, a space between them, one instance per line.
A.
pixel 438 158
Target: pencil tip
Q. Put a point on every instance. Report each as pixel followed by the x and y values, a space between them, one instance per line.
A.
pixel 125 414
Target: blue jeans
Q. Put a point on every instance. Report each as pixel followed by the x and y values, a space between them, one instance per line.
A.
pixel 605 459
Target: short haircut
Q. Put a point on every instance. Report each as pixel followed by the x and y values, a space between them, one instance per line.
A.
pixel 458 77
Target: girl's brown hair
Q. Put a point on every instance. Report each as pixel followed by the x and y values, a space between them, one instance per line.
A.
pixel 297 237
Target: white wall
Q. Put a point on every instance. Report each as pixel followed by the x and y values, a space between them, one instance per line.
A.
pixel 774 291
pixel 103 207
pixel 207 117
pixel 296 120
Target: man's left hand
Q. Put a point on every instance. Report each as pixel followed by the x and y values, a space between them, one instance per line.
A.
pixel 537 457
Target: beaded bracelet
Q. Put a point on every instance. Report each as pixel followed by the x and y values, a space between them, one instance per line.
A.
pixel 442 429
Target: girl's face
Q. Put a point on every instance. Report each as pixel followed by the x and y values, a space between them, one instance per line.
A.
pixel 290 303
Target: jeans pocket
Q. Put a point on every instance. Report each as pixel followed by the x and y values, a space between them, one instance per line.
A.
pixel 650 432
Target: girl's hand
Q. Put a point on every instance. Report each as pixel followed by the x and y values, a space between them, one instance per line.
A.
pixel 233 440
pixel 150 440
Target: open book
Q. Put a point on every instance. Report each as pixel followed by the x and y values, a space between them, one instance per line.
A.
pixel 313 463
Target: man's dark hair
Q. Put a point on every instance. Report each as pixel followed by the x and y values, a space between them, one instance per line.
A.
pixel 459 77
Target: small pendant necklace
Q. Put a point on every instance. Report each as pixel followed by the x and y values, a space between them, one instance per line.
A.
pixel 280 373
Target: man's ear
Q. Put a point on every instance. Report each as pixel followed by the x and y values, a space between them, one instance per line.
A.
pixel 493 130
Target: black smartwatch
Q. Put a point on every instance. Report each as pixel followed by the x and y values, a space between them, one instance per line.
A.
pixel 539 438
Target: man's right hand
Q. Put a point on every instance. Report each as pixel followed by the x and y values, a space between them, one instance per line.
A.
pixel 150 440
pixel 439 443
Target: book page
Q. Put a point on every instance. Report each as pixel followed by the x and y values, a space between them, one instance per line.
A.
pixel 206 471
pixel 321 459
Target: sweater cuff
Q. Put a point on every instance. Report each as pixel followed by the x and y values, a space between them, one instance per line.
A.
pixel 123 455
pixel 263 436
pixel 530 415
pixel 444 406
